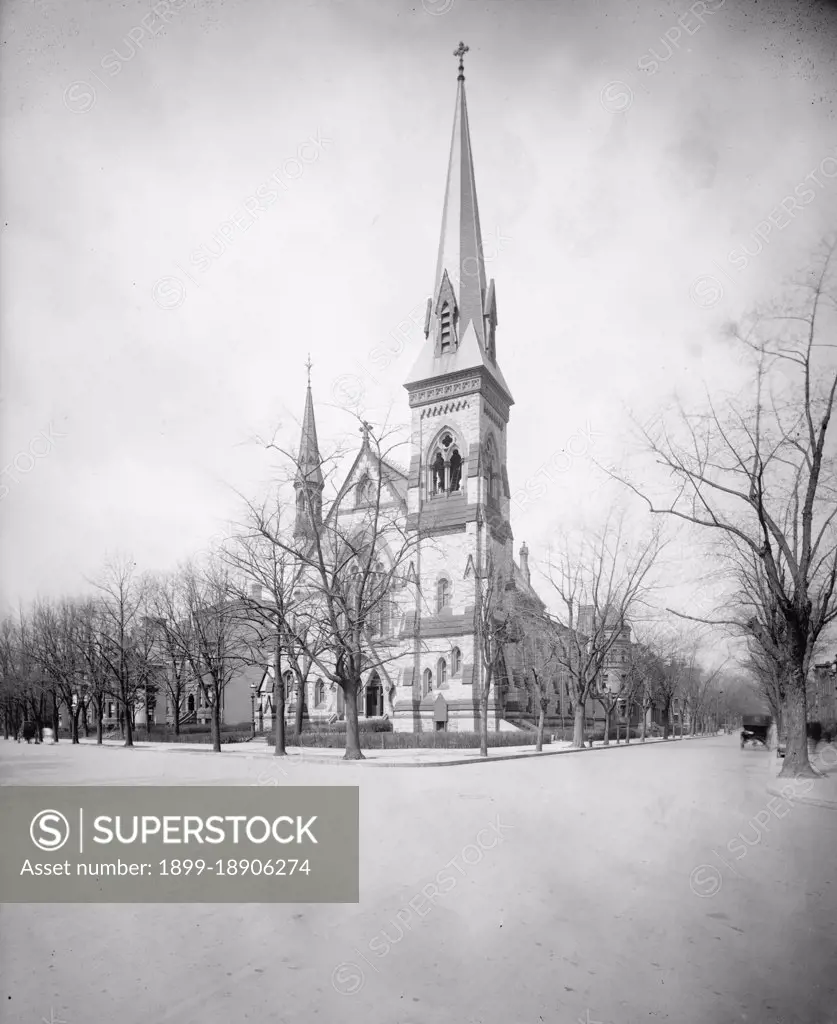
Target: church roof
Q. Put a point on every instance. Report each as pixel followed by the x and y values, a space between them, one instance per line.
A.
pixel 460 265
pixel 367 461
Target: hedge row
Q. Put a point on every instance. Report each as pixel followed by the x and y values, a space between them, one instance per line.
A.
pixel 193 733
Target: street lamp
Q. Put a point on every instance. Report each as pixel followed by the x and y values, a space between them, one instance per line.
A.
pixel 252 711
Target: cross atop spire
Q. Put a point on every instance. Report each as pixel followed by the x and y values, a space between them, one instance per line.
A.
pixel 460 52
pixel 308 366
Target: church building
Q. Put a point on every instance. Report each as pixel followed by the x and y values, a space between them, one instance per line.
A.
pixel 454 498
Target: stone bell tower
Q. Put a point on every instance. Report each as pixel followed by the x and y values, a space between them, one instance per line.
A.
pixel 458 490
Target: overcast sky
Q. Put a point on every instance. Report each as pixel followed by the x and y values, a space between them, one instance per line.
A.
pixel 156 317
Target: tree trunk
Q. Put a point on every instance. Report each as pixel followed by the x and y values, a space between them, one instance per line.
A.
pixel 278 711
pixel 216 723
pixel 644 730
pixel 539 740
pixel 75 717
pixel 578 725
pixel 300 708
pixel 54 717
pixel 175 710
pixel 627 723
pixel 353 751
pixel 794 716
pixel 606 741
pixel 126 719
pixel 99 714
pixel 484 695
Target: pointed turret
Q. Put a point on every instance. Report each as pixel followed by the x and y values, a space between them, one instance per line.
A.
pixel 462 312
pixel 308 483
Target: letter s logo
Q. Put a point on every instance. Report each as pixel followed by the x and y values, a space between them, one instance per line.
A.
pixel 49 830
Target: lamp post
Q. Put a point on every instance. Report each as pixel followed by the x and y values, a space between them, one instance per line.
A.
pixel 252 711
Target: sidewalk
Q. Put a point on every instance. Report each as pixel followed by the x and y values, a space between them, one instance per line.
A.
pixel 389 758
pixel 821 792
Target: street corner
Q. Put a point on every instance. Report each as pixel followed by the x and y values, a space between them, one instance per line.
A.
pixel 814 791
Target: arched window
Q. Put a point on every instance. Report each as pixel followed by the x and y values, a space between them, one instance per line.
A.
pixel 442 671
pixel 455 661
pixel 442 594
pixel 445 466
pixel 288 680
pixel 319 693
pixel 364 492
pixel 427 682
pixel 190 703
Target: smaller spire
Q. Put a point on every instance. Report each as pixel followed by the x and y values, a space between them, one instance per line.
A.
pixel 309 475
pixel 460 52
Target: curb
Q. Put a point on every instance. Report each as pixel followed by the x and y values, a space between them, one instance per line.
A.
pixel 811 801
pixel 461 762
pixel 775 787
pixel 306 758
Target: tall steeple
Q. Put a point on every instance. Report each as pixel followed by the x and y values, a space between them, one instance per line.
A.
pixel 308 482
pixel 462 311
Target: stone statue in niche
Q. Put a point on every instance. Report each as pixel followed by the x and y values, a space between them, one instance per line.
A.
pixel 438 474
pixel 455 471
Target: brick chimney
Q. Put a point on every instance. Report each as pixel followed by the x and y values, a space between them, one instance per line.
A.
pixel 524 561
pixel 256 591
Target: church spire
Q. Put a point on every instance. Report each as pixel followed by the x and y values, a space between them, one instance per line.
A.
pixel 308 482
pixel 462 311
pixel 460 246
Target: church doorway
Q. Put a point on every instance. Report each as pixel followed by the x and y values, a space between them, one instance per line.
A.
pixel 374 702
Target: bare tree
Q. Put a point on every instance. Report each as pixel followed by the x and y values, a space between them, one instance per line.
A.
pixel 54 637
pixel 13 678
pixel 675 650
pixel 198 614
pixel 352 561
pixel 647 668
pixel 97 676
pixel 599 580
pixel 121 644
pixel 536 639
pixel 759 472
pixel 262 556
pixel 173 638
pixel 495 628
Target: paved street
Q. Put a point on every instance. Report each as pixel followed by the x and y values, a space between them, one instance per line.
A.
pixel 611 896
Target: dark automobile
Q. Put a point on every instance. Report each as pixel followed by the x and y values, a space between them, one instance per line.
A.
pixel 29 731
pixel 755 729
